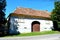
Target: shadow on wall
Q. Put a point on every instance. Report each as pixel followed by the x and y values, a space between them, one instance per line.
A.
pixel 56 26
pixel 14 30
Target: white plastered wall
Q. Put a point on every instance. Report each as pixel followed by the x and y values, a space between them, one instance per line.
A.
pixel 24 25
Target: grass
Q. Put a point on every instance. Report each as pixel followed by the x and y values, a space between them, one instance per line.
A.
pixel 36 33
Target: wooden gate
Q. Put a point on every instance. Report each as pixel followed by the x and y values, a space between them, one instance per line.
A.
pixel 35 26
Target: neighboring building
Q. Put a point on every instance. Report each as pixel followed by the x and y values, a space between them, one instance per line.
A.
pixel 24 20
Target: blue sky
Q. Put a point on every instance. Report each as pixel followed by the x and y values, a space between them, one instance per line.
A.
pixel 34 4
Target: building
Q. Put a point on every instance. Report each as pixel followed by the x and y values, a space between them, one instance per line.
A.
pixel 25 20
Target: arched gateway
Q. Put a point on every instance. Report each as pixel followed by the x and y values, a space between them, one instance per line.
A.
pixel 35 26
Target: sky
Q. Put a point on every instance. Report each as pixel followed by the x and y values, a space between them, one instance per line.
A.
pixel 33 4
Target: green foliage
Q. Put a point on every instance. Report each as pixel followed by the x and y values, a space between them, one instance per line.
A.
pixel 59 25
pixel 56 14
pixel 2 10
pixel 2 4
pixel 56 11
pixel 2 16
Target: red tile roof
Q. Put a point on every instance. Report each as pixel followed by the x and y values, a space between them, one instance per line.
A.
pixel 31 12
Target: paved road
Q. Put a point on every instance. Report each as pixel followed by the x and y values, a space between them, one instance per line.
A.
pixel 41 37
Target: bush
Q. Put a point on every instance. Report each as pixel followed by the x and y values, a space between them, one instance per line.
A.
pixel 59 26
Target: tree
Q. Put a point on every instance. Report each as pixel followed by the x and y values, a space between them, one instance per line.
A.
pixel 56 15
pixel 2 15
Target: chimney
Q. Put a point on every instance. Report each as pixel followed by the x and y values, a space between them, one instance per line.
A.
pixel 46 10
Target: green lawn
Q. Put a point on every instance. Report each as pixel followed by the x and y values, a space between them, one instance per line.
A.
pixel 36 33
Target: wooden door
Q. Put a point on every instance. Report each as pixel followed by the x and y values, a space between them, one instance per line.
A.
pixel 36 28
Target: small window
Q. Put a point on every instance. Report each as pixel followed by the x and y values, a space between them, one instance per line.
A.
pixel 45 28
pixel 25 27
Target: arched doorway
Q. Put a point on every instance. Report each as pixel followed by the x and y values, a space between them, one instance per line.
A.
pixel 35 26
